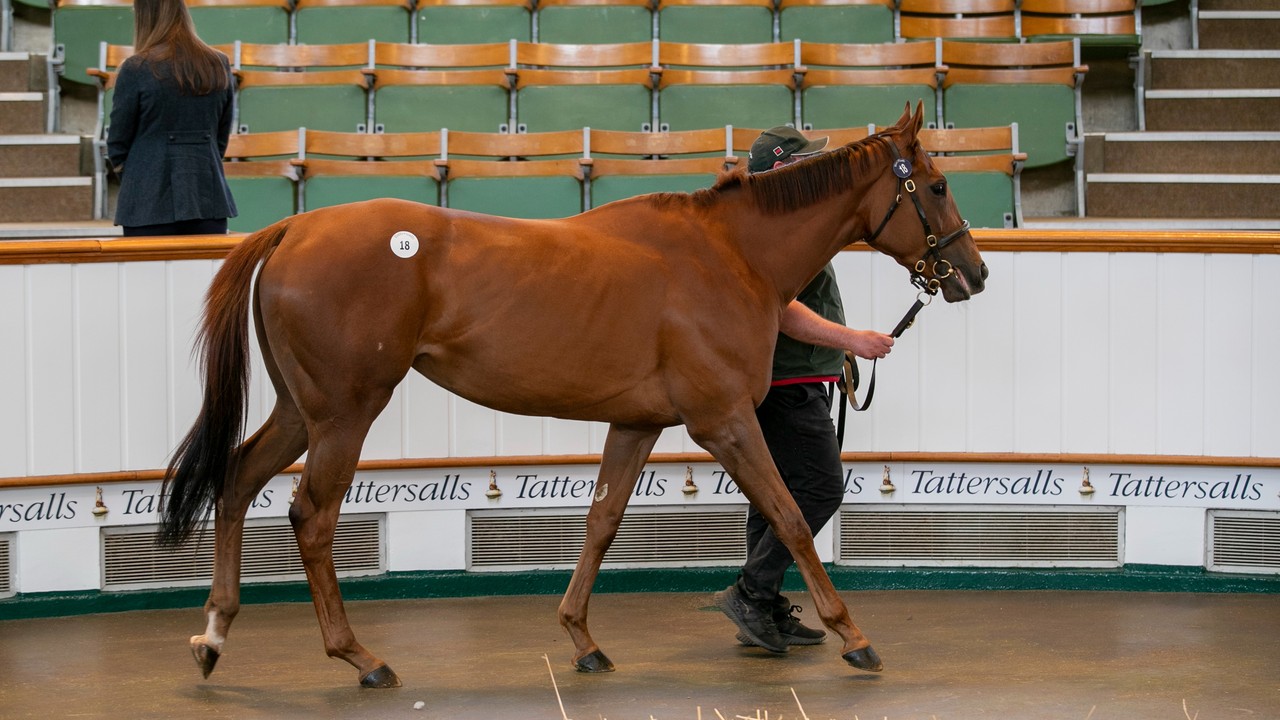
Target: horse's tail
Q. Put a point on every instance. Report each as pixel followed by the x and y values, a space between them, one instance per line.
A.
pixel 203 463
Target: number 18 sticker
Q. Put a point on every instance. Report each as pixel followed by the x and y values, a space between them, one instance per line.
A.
pixel 404 244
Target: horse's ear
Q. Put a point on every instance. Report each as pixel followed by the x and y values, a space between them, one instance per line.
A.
pixel 904 121
pixel 912 122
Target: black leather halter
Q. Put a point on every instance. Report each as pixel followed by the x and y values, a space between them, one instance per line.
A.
pixel 902 170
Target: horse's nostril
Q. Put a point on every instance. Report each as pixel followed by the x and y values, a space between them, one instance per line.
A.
pixel 984 271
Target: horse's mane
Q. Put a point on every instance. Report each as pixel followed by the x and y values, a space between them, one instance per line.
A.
pixel 795 186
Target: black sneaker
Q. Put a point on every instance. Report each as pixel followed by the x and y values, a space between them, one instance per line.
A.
pixel 792 631
pixel 754 622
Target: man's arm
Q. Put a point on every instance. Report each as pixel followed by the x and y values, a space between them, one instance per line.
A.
pixel 801 323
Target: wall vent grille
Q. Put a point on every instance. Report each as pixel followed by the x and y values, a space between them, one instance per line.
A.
pixel 6 565
pixel 646 538
pixel 1244 541
pixel 131 559
pixel 988 537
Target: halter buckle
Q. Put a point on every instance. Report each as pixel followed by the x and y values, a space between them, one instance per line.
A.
pixel 947 274
pixel 910 185
pixel 920 265
pixel 931 240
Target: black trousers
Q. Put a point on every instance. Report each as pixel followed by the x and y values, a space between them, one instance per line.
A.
pixel 796 420
pixel 182 227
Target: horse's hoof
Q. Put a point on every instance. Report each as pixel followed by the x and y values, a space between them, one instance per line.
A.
pixel 593 662
pixel 380 677
pixel 864 659
pixel 206 657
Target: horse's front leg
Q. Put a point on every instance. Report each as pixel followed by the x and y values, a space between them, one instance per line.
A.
pixel 625 452
pixel 738 445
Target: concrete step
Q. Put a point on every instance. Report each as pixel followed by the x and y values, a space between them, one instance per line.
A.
pixel 1230 110
pixel 16 72
pixel 22 112
pixel 1239 4
pixel 1219 69
pixel 1239 29
pixel 1203 196
pixel 1129 223
pixel 40 155
pixel 45 199
pixel 1183 152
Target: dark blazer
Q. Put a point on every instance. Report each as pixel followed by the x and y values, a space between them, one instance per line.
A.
pixel 167 147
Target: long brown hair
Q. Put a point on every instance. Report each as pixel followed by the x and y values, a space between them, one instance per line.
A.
pixel 163 32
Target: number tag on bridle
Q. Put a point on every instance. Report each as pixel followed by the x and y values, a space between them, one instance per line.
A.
pixel 902 168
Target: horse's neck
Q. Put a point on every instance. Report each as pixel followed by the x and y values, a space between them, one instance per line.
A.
pixel 787 250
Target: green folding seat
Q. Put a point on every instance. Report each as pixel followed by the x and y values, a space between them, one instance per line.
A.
pixel 713 85
pixel 473 21
pixel 318 22
pixel 1036 85
pixel 715 21
pixel 80 26
pixel 593 21
pixel 969 19
pixel 222 22
pixel 564 87
pixel 983 167
pixel 429 87
pixel 488 179
pixel 340 168
pixel 836 21
pixel 319 86
pixel 627 164
pixel 849 85
pixel 1105 28
pixel 262 172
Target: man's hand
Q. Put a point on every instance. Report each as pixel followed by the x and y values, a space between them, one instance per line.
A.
pixel 869 344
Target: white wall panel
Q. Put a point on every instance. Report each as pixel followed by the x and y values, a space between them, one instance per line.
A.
pixel 146 365
pixel 1164 535
pixel 1132 337
pixel 384 438
pixel 854 269
pixel 46 565
pixel 944 376
pixel 474 428
pixel 989 414
pixel 426 413
pixel 895 413
pixel 52 369
pixel 15 430
pixel 1228 354
pixel 520 434
pixel 187 282
pixel 97 377
pixel 1180 357
pixel 1265 394
pixel 568 437
pixel 426 540
pixel 1086 351
pixel 1037 352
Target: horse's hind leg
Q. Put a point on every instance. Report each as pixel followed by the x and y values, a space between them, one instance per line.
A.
pixel 277 444
pixel 625 451
pixel 331 464
pixel 738 445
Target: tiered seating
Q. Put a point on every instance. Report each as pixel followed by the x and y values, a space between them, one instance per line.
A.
pixel 430 87
pixel 562 87
pixel 851 85
pixel 708 85
pixel 320 85
pixel 81 26
pixel 594 21
pixel 1099 24
pixel 984 169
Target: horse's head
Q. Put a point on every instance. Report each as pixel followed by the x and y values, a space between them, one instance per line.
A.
pixel 921 227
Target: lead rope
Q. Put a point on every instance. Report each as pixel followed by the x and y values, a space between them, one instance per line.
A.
pixel 849 379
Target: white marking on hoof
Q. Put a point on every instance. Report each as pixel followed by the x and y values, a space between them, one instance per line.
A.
pixel 210 636
pixel 602 492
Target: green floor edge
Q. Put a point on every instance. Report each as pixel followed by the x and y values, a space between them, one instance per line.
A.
pixel 442 584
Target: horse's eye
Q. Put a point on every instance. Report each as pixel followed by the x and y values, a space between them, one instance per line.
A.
pixel 939 189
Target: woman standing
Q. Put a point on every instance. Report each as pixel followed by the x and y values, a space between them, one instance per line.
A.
pixel 170 121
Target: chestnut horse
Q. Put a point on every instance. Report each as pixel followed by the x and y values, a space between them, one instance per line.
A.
pixel 644 313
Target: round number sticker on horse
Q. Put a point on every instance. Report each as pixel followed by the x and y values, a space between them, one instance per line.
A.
pixel 404 244
pixel 902 168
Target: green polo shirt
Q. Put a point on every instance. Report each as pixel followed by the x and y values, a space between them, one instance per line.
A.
pixel 794 360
